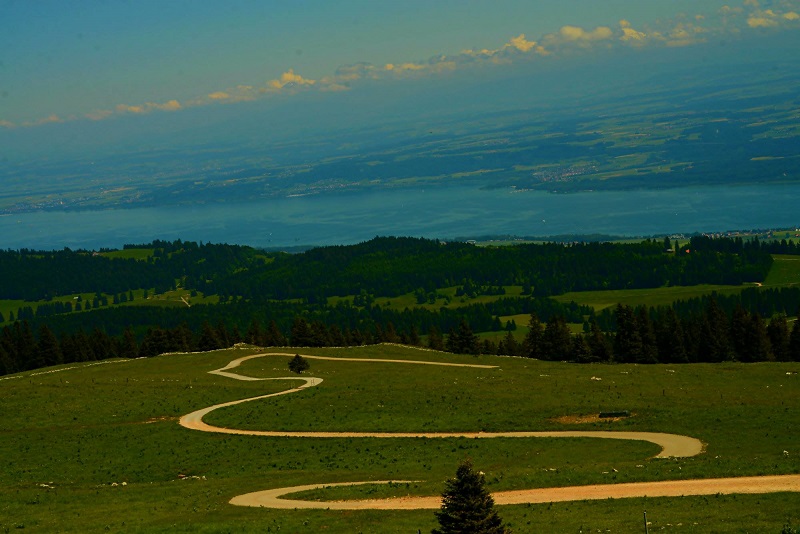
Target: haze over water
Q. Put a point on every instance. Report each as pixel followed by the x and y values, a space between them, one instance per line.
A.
pixel 442 212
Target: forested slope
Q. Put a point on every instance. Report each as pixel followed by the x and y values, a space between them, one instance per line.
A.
pixel 278 298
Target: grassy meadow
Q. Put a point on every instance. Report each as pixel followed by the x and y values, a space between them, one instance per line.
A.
pixel 785 271
pixel 98 447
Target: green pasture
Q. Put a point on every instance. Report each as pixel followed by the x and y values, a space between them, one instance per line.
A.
pixel 446 298
pixel 174 298
pixel 12 305
pixel 659 296
pixel 785 271
pixel 140 254
pixel 72 437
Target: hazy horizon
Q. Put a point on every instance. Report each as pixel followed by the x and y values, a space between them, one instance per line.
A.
pixel 118 106
pixel 100 78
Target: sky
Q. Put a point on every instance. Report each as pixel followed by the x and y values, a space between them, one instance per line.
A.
pixel 88 61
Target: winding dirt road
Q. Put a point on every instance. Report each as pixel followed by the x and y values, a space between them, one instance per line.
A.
pixel 669 488
pixel 672 445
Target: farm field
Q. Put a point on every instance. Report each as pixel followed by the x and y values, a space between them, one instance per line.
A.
pixel 785 272
pixel 659 296
pixel 89 447
pixel 141 297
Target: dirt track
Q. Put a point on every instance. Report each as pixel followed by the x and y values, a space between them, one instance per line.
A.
pixel 670 488
pixel 672 446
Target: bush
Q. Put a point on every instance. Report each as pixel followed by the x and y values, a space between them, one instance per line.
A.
pixel 298 364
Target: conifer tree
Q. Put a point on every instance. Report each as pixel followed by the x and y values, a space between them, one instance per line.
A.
pixel 649 352
pixel 254 335
pixel 509 344
pixel 101 345
pixel 209 338
pixel 669 339
pixel 759 346
pixel 557 339
pixel 794 342
pixel 128 347
pixel 598 343
pixel 413 336
pixel 581 352
pixel 778 332
pixel 48 350
pixel 740 334
pixel 274 336
pixel 435 340
pixel 532 344
pixel 301 333
pixel 467 506
pixel 628 340
pixel 222 334
pixel 714 341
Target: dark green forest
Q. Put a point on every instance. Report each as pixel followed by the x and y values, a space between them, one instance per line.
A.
pixel 387 266
pixel 276 299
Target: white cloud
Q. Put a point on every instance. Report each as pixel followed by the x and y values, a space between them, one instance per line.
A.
pixel 684 30
pixel 291 80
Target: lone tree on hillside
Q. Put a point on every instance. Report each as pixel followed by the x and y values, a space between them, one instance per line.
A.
pixel 298 364
pixel 466 505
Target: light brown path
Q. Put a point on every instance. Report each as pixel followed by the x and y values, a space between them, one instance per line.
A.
pixel 672 445
pixel 670 488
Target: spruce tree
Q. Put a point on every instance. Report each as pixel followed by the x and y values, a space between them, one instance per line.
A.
pixel 532 345
pixel 759 346
pixel 467 506
pixel 254 335
pixel 598 343
pixel 209 338
pixel 794 343
pixel 778 332
pixel 628 340
pixel 556 339
pixel 301 333
pixel 274 337
pixel 649 352
pixel 435 340
pixel 510 345
pixel 128 347
pixel 48 351
pixel 669 339
pixel 581 352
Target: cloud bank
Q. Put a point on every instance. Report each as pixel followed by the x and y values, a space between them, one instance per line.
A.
pixel 748 18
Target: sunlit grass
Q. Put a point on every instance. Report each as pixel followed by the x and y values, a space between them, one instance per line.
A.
pixel 83 430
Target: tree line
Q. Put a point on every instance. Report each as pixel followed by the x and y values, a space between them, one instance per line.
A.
pixel 250 282
pixel 712 336
pixel 418 266
pixel 422 266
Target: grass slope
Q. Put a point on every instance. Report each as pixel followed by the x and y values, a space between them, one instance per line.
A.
pixel 72 437
pixel 785 271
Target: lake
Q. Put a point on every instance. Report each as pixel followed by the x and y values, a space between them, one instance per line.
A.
pixel 440 212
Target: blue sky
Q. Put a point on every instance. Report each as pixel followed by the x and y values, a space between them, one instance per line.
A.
pixel 98 60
